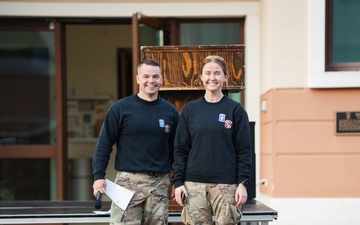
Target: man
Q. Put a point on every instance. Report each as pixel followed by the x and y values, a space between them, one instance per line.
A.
pixel 143 127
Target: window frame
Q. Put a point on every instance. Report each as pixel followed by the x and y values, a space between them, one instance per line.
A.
pixel 329 64
pixel 57 151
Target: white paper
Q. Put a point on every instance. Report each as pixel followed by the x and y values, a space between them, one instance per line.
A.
pixel 119 195
pixel 102 212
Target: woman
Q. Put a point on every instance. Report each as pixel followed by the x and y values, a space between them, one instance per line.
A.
pixel 212 152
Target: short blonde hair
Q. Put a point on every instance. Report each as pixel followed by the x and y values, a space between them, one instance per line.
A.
pixel 216 59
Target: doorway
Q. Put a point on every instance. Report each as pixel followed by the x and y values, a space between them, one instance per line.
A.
pixel 99 64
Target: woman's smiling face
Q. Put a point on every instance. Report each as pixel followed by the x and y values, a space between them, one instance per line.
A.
pixel 213 76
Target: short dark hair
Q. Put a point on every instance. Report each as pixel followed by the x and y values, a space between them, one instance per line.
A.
pixel 150 62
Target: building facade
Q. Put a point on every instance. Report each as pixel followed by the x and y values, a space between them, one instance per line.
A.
pixel 305 168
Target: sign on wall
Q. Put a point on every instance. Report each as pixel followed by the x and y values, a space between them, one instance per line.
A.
pixel 347 122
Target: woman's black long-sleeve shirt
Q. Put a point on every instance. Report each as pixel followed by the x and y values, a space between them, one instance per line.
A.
pixel 212 143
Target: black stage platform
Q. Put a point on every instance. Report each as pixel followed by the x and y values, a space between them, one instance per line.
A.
pixel 37 212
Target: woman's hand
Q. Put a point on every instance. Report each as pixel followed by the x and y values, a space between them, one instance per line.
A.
pixel 178 192
pixel 241 195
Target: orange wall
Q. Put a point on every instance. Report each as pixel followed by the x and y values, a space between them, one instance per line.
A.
pixel 300 153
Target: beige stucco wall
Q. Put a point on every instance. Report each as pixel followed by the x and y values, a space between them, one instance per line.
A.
pixel 91 58
pixel 301 154
pixel 284 41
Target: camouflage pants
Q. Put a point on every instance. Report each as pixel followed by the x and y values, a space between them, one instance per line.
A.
pixel 208 202
pixel 149 205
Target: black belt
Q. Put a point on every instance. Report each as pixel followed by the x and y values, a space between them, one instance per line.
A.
pixel 150 173
pixel 154 173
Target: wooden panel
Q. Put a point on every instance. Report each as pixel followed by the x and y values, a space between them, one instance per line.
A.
pixel 28 151
pixel 182 64
pixel 180 98
pixel 173 206
pixel 61 115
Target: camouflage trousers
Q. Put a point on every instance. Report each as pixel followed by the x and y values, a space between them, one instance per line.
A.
pixel 210 202
pixel 149 205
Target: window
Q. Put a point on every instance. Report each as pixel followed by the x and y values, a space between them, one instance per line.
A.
pixel 210 33
pixel 33 150
pixel 27 115
pixel 342 35
pixel 27 86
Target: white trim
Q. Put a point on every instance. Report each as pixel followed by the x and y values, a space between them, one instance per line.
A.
pixel 318 78
pixel 299 211
pixel 66 9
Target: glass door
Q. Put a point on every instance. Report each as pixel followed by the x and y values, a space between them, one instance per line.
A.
pixel 146 31
pixel 29 112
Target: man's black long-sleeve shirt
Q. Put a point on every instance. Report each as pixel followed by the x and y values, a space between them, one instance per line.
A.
pixel 143 133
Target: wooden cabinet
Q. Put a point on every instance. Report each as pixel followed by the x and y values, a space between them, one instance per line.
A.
pixel 182 66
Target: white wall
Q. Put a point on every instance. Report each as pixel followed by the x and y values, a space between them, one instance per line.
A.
pixel 284 38
pixel 314 211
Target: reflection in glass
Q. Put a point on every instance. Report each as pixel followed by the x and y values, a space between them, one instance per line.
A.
pixel 27 87
pixel 346 32
pixel 150 36
pixel 24 179
pixel 209 33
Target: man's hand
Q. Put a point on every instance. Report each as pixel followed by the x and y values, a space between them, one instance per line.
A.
pixel 99 185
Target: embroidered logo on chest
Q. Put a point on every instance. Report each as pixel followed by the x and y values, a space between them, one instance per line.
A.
pixel 167 128
pixel 228 124
pixel 221 117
